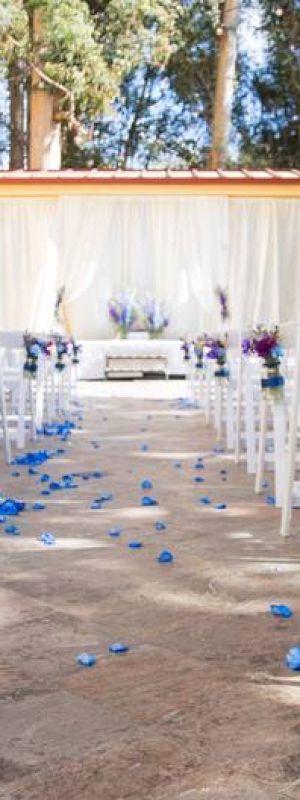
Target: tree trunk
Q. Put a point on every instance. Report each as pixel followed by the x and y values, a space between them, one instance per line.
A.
pixel 44 132
pixel 226 72
pixel 16 95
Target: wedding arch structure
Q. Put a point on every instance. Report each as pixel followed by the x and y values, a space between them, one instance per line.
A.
pixel 177 235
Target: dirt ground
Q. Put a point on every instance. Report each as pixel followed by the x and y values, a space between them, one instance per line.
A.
pixel 202 707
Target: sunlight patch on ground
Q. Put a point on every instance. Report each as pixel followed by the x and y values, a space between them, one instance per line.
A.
pixel 209 602
pixel 18 543
pixel 288 695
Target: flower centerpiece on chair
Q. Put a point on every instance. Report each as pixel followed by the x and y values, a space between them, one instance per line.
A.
pixel 63 350
pixel 155 316
pixel 186 347
pixel 199 345
pixel 32 349
pixel 217 351
pixel 123 313
pixel 266 344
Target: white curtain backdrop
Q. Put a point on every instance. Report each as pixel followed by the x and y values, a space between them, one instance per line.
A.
pixel 263 261
pixel 28 262
pixel 175 247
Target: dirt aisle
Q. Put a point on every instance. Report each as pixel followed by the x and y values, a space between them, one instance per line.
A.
pixel 202 707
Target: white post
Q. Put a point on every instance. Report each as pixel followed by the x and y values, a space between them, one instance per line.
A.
pixel 279 448
pixel 237 454
pixel 292 446
pixel 262 443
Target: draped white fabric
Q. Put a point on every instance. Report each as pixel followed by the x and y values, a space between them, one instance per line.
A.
pixel 177 248
pixel 28 252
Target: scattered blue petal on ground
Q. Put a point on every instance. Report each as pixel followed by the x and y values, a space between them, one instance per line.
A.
pixel 220 506
pixel 47 538
pixel 144 447
pixel 199 479
pixel 11 507
pixel 148 501
pixel 160 526
pixel 45 492
pixel 95 505
pixel 115 533
pixel 146 484
pixel 206 501
pixel 15 474
pixel 135 545
pixel 12 530
pixel 86 660
pixel 281 611
pixel 177 464
pixel 165 557
pixel 293 658
pixel 118 648
pixel 38 507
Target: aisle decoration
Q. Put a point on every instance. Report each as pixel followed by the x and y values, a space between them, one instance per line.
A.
pixel 33 350
pixel 63 350
pixel 154 316
pixel 123 313
pixel 199 345
pixel 217 351
pixel 266 344
pixel 186 347
pixel 76 350
pixel 223 300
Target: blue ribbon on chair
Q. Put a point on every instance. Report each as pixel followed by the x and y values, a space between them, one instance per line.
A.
pixel 223 372
pixel 274 382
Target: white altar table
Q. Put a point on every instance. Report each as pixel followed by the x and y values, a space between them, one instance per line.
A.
pixel 95 353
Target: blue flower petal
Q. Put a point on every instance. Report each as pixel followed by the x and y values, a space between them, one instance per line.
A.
pixel 115 533
pixel 220 506
pixel 135 545
pixel 160 526
pixel 38 507
pixel 206 501
pixel 86 660
pixel 165 557
pixel 148 501
pixel 118 648
pixel 12 530
pixel 146 484
pixel 293 658
pixel 47 538
pixel 281 611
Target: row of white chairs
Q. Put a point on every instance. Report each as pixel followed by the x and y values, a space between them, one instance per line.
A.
pixel 27 402
pixel 260 429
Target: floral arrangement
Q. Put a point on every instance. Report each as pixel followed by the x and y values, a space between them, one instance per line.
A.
pixel 63 350
pixel 217 351
pixel 32 350
pixel 199 345
pixel 186 346
pixel 76 349
pixel 154 316
pixel 123 313
pixel 266 344
pixel 223 300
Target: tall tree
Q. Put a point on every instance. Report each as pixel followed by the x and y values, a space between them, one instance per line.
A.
pixel 268 102
pixel 225 83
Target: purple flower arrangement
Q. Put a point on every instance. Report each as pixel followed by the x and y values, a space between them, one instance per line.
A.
pixel 123 313
pixel 186 347
pixel 154 316
pixel 63 350
pixel 266 344
pixel 76 350
pixel 217 351
pixel 223 300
